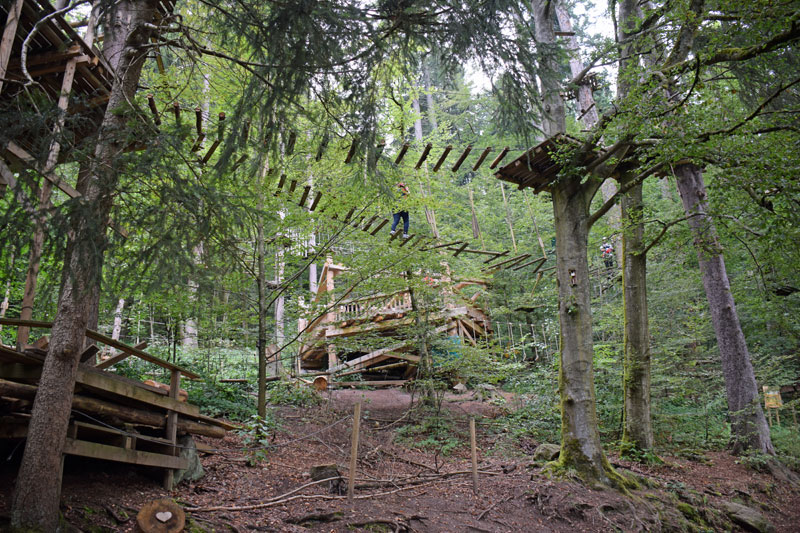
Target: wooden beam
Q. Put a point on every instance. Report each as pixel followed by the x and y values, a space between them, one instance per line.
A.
pixel 391 383
pixel 281 181
pixel 406 241
pixel 424 156
pixel 499 157
pixel 316 201
pixel 480 160
pixel 349 214
pixel 9 33
pixel 442 245
pixel 95 450
pixel 510 262
pixel 304 196
pixel 379 226
pixel 198 122
pixel 20 153
pixel 532 261
pixel 471 251
pixel 89 353
pixel 292 187
pixel 107 341
pixel 502 254
pixel 117 357
pixel 461 158
pixel 461 249
pixel 372 219
pixel 442 158
pixel 401 153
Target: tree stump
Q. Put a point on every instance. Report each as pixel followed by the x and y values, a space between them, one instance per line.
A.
pixel 161 516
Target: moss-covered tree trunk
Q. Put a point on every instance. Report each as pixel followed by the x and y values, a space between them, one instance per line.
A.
pixel 581 449
pixel 35 502
pixel 638 429
pixel 749 429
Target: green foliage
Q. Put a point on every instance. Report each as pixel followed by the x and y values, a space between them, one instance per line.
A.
pixel 434 432
pixel 787 445
pixel 256 434
pixel 221 399
pixel 295 394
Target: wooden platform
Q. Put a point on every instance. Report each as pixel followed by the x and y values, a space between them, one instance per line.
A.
pixel 114 418
pixel 379 319
pixel 538 167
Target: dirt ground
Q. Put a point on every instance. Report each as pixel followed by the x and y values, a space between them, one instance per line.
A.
pixel 404 488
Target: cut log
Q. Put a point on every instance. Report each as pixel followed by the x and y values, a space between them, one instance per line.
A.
pixel 161 516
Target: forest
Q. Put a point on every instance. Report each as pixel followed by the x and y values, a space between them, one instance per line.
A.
pixel 539 258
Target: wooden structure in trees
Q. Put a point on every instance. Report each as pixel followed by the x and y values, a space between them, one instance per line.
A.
pixel 539 166
pixel 394 357
pixel 113 418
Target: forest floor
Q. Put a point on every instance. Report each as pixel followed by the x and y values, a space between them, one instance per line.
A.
pixel 402 486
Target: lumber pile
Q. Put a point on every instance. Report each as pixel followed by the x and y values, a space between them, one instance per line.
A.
pixel 114 418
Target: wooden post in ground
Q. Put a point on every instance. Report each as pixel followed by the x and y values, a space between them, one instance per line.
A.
pixel 351 481
pixel 172 424
pixel 474 447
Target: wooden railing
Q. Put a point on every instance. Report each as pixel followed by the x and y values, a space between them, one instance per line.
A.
pixel 399 302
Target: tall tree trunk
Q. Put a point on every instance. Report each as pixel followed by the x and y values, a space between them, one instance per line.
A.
pixel 749 430
pixel 261 286
pixel 580 437
pixel 36 496
pixel 638 428
pixel 581 449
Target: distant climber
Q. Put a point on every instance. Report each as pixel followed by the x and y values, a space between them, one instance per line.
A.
pixel 401 211
pixel 608 254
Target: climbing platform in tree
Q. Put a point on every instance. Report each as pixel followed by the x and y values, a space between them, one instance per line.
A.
pixel 538 167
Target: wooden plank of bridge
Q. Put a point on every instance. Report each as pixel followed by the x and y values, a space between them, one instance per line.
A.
pixel 379 226
pixel 482 157
pixel 316 201
pixel 442 158
pixel 304 197
pixel 352 152
pixel 401 153
pixel 497 256
pixel 461 158
pixel 424 155
pixel 461 249
pixel 499 157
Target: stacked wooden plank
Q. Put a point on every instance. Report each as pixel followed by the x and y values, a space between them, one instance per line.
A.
pixel 113 417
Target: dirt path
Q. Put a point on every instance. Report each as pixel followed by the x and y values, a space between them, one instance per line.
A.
pixel 401 487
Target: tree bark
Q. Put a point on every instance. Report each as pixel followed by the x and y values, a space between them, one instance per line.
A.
pixel 36 496
pixel 581 449
pixel 580 437
pixel 638 428
pixel 261 286
pixel 749 429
